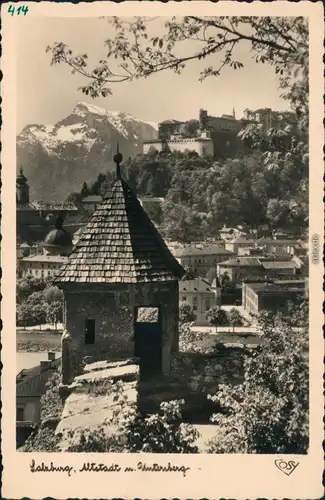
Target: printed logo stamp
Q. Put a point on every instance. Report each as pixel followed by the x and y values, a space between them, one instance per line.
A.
pixel 286 467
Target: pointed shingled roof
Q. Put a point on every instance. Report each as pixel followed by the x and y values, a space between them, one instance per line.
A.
pixel 120 244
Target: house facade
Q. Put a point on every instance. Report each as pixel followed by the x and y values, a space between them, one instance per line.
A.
pixel 272 296
pixel 200 261
pixel 201 296
pixel 239 245
pixel 239 268
pixel 278 246
pixel 41 266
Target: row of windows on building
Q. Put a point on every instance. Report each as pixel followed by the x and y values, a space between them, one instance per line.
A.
pixel 202 261
pixel 43 273
pixel 207 303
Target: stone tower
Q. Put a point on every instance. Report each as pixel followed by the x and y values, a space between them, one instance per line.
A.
pixel 22 189
pixel 120 269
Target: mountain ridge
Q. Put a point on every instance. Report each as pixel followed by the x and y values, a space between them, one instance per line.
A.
pixel 58 158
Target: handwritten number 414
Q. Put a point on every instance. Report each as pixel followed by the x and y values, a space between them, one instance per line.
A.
pixel 23 9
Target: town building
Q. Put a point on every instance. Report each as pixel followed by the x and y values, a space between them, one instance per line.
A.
pixel 201 260
pixel 41 266
pixel 277 246
pixel 302 264
pixel 239 245
pixel 276 269
pixel 119 267
pixel 240 268
pixel 201 296
pixel 272 296
pixel 35 217
pixel 229 233
pixel 23 250
pixel 56 247
pixel 30 386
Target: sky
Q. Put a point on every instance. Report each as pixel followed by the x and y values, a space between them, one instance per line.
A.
pixel 46 94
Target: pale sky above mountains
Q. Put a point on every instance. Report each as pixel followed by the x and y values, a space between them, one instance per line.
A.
pixel 46 94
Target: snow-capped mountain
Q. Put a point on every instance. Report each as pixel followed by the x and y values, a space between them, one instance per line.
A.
pixel 58 158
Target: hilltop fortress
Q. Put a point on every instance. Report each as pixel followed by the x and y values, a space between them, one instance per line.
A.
pixel 215 136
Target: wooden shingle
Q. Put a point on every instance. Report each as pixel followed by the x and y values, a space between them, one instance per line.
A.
pixel 120 244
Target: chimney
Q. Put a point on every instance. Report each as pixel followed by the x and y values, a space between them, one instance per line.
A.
pixel 45 365
pixel 51 356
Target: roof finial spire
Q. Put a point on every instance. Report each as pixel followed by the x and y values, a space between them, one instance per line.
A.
pixel 118 160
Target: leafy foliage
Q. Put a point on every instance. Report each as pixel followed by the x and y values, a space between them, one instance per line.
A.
pixel 51 402
pixel 136 52
pixel 268 413
pixel 186 313
pixel 190 341
pixel 38 301
pixel 235 318
pixel 217 317
pixel 201 194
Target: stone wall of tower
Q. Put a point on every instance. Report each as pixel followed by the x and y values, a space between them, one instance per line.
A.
pixel 114 313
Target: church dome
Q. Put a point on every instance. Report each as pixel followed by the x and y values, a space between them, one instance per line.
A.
pixel 58 240
pixel 58 237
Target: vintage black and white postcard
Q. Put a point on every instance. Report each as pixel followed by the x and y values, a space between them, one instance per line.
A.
pixel 161 250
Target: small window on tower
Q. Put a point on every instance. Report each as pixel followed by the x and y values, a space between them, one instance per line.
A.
pixel 89 331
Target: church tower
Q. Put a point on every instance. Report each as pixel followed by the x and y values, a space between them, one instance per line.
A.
pixel 22 188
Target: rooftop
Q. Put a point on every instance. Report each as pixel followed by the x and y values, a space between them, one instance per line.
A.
pixel 52 206
pixel 241 261
pixel 31 382
pixel 275 287
pixel 271 257
pixel 120 244
pixel 189 251
pixel 45 258
pixel 279 265
pixel 240 239
pixel 225 229
pixel 266 241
